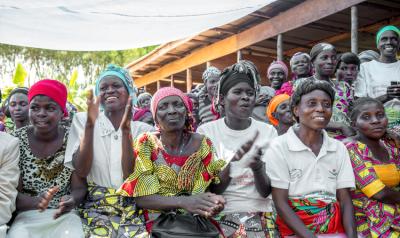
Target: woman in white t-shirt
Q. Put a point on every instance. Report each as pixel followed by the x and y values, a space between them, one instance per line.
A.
pixel 94 151
pixel 244 184
pixel 310 172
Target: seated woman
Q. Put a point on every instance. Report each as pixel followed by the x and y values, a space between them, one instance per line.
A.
pixel 17 108
pixel 300 65
pixel 9 175
pixel 173 162
pixel 277 74
pixel 94 151
pixel 310 172
pixel 323 57
pixel 143 100
pixel 279 113
pixel 376 166
pixel 244 184
pixel 48 191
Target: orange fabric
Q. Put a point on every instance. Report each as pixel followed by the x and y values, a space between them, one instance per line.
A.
pixel 388 174
pixel 273 104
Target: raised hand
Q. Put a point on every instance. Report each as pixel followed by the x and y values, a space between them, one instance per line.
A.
pixel 127 117
pixel 93 104
pixel 204 204
pixel 66 204
pixel 46 198
pixel 245 147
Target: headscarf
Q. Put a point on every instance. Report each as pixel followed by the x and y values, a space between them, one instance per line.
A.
pixel 141 96
pixel 211 72
pixel 273 104
pixel 52 89
pixel 139 114
pixel 368 55
pixel 121 73
pixel 318 48
pixel 387 28
pixel 278 65
pixel 171 91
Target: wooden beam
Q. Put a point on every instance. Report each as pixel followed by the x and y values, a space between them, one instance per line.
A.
pixel 306 12
pixel 354 30
pixel 172 80
pixel 189 80
pixel 346 35
pixel 279 47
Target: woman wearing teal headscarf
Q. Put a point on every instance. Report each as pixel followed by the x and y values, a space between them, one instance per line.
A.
pixel 94 151
pixel 380 78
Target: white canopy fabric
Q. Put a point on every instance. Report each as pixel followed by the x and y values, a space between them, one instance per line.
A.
pixel 93 25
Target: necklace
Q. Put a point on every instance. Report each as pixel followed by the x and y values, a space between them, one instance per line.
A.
pixel 182 144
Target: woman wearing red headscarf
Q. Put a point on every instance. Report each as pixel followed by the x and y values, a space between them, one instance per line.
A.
pixel 48 191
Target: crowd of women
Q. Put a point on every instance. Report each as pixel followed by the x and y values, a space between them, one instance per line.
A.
pixel 310 156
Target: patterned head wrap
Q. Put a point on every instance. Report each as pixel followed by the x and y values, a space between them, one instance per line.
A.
pixel 387 28
pixel 273 104
pixel 368 55
pixel 121 73
pixel 278 65
pixel 320 47
pixel 52 89
pixel 171 91
pixel 141 97
pixel 211 72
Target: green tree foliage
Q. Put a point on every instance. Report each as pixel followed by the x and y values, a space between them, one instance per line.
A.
pixel 60 65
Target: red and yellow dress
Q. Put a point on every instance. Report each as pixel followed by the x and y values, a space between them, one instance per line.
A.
pixel 157 172
pixel 374 218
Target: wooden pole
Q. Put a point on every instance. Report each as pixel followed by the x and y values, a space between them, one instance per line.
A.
pixel 354 29
pixel 189 80
pixel 279 47
pixel 208 64
pixel 145 88
pixel 239 55
pixel 172 80
pixel 158 84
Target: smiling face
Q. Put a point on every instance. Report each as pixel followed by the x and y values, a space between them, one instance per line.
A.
pixel 325 63
pixel 277 77
pixel 388 44
pixel 283 113
pixel 239 101
pixel 113 94
pixel 171 114
pixel 371 121
pixel 314 110
pixel 300 66
pixel 19 107
pixel 347 72
pixel 44 114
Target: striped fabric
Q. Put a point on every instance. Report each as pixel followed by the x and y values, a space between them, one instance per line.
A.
pixel 374 218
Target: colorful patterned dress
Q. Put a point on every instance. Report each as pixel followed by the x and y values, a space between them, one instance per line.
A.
pixel 374 218
pixel 157 172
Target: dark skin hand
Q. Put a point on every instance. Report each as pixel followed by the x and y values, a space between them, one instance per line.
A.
pixel 262 182
pixel 127 160
pixel 83 158
pixel 204 204
pixel 41 202
pixel 347 212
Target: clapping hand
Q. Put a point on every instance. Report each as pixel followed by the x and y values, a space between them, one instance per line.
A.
pixel 66 204
pixel 127 117
pixel 46 197
pixel 93 104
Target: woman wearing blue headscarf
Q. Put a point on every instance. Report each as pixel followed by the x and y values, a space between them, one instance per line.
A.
pixel 94 152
